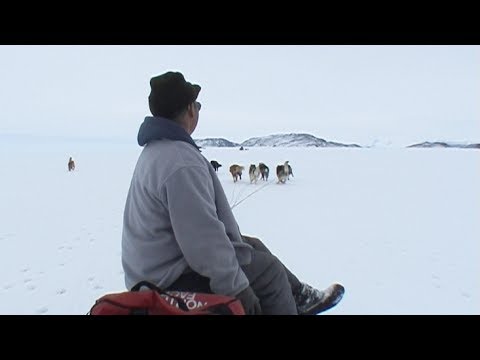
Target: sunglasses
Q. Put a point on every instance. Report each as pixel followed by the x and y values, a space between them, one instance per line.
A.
pixel 198 105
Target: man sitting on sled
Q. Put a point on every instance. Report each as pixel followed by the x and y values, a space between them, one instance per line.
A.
pixel 179 231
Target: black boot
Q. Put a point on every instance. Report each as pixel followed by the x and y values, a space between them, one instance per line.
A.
pixel 311 301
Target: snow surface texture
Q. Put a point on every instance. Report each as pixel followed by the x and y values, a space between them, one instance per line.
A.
pixel 397 227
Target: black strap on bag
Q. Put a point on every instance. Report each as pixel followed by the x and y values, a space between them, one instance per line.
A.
pixel 138 286
pixel 148 284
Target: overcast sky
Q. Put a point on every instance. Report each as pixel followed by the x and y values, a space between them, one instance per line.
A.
pixel 352 94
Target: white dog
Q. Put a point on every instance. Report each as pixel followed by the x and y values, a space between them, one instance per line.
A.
pixel 254 173
pixel 282 172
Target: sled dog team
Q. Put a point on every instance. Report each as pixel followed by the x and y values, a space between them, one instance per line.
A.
pixel 255 172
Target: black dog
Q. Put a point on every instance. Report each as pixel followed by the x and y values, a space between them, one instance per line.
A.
pixel 264 170
pixel 71 164
pixel 215 165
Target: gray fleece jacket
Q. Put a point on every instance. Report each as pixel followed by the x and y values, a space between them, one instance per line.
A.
pixel 177 217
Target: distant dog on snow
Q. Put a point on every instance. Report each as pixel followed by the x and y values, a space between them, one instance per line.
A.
pixel 71 164
pixel 215 165
pixel 254 173
pixel 236 171
pixel 264 170
pixel 282 172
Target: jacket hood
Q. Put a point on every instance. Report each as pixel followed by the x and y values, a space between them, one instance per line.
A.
pixel 156 128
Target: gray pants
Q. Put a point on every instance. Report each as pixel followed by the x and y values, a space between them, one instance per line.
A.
pixel 271 281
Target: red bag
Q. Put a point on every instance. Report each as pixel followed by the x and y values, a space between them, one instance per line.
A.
pixel 158 302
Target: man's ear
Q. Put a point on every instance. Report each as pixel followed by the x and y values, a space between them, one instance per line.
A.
pixel 191 109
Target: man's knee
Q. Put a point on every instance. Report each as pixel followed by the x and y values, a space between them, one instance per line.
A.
pixel 255 243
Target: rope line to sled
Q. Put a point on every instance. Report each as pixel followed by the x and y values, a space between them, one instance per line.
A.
pixel 253 192
pixel 240 193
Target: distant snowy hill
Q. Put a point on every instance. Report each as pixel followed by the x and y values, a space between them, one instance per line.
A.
pixel 439 144
pixel 281 140
pixel 215 142
pixel 290 140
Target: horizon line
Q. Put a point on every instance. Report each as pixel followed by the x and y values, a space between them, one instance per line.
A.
pixel 123 138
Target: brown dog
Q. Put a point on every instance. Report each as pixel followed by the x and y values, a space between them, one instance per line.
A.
pixel 236 171
pixel 71 164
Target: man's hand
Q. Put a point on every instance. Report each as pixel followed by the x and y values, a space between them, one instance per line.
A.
pixel 250 302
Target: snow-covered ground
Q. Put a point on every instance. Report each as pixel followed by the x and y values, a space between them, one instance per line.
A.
pixel 399 228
